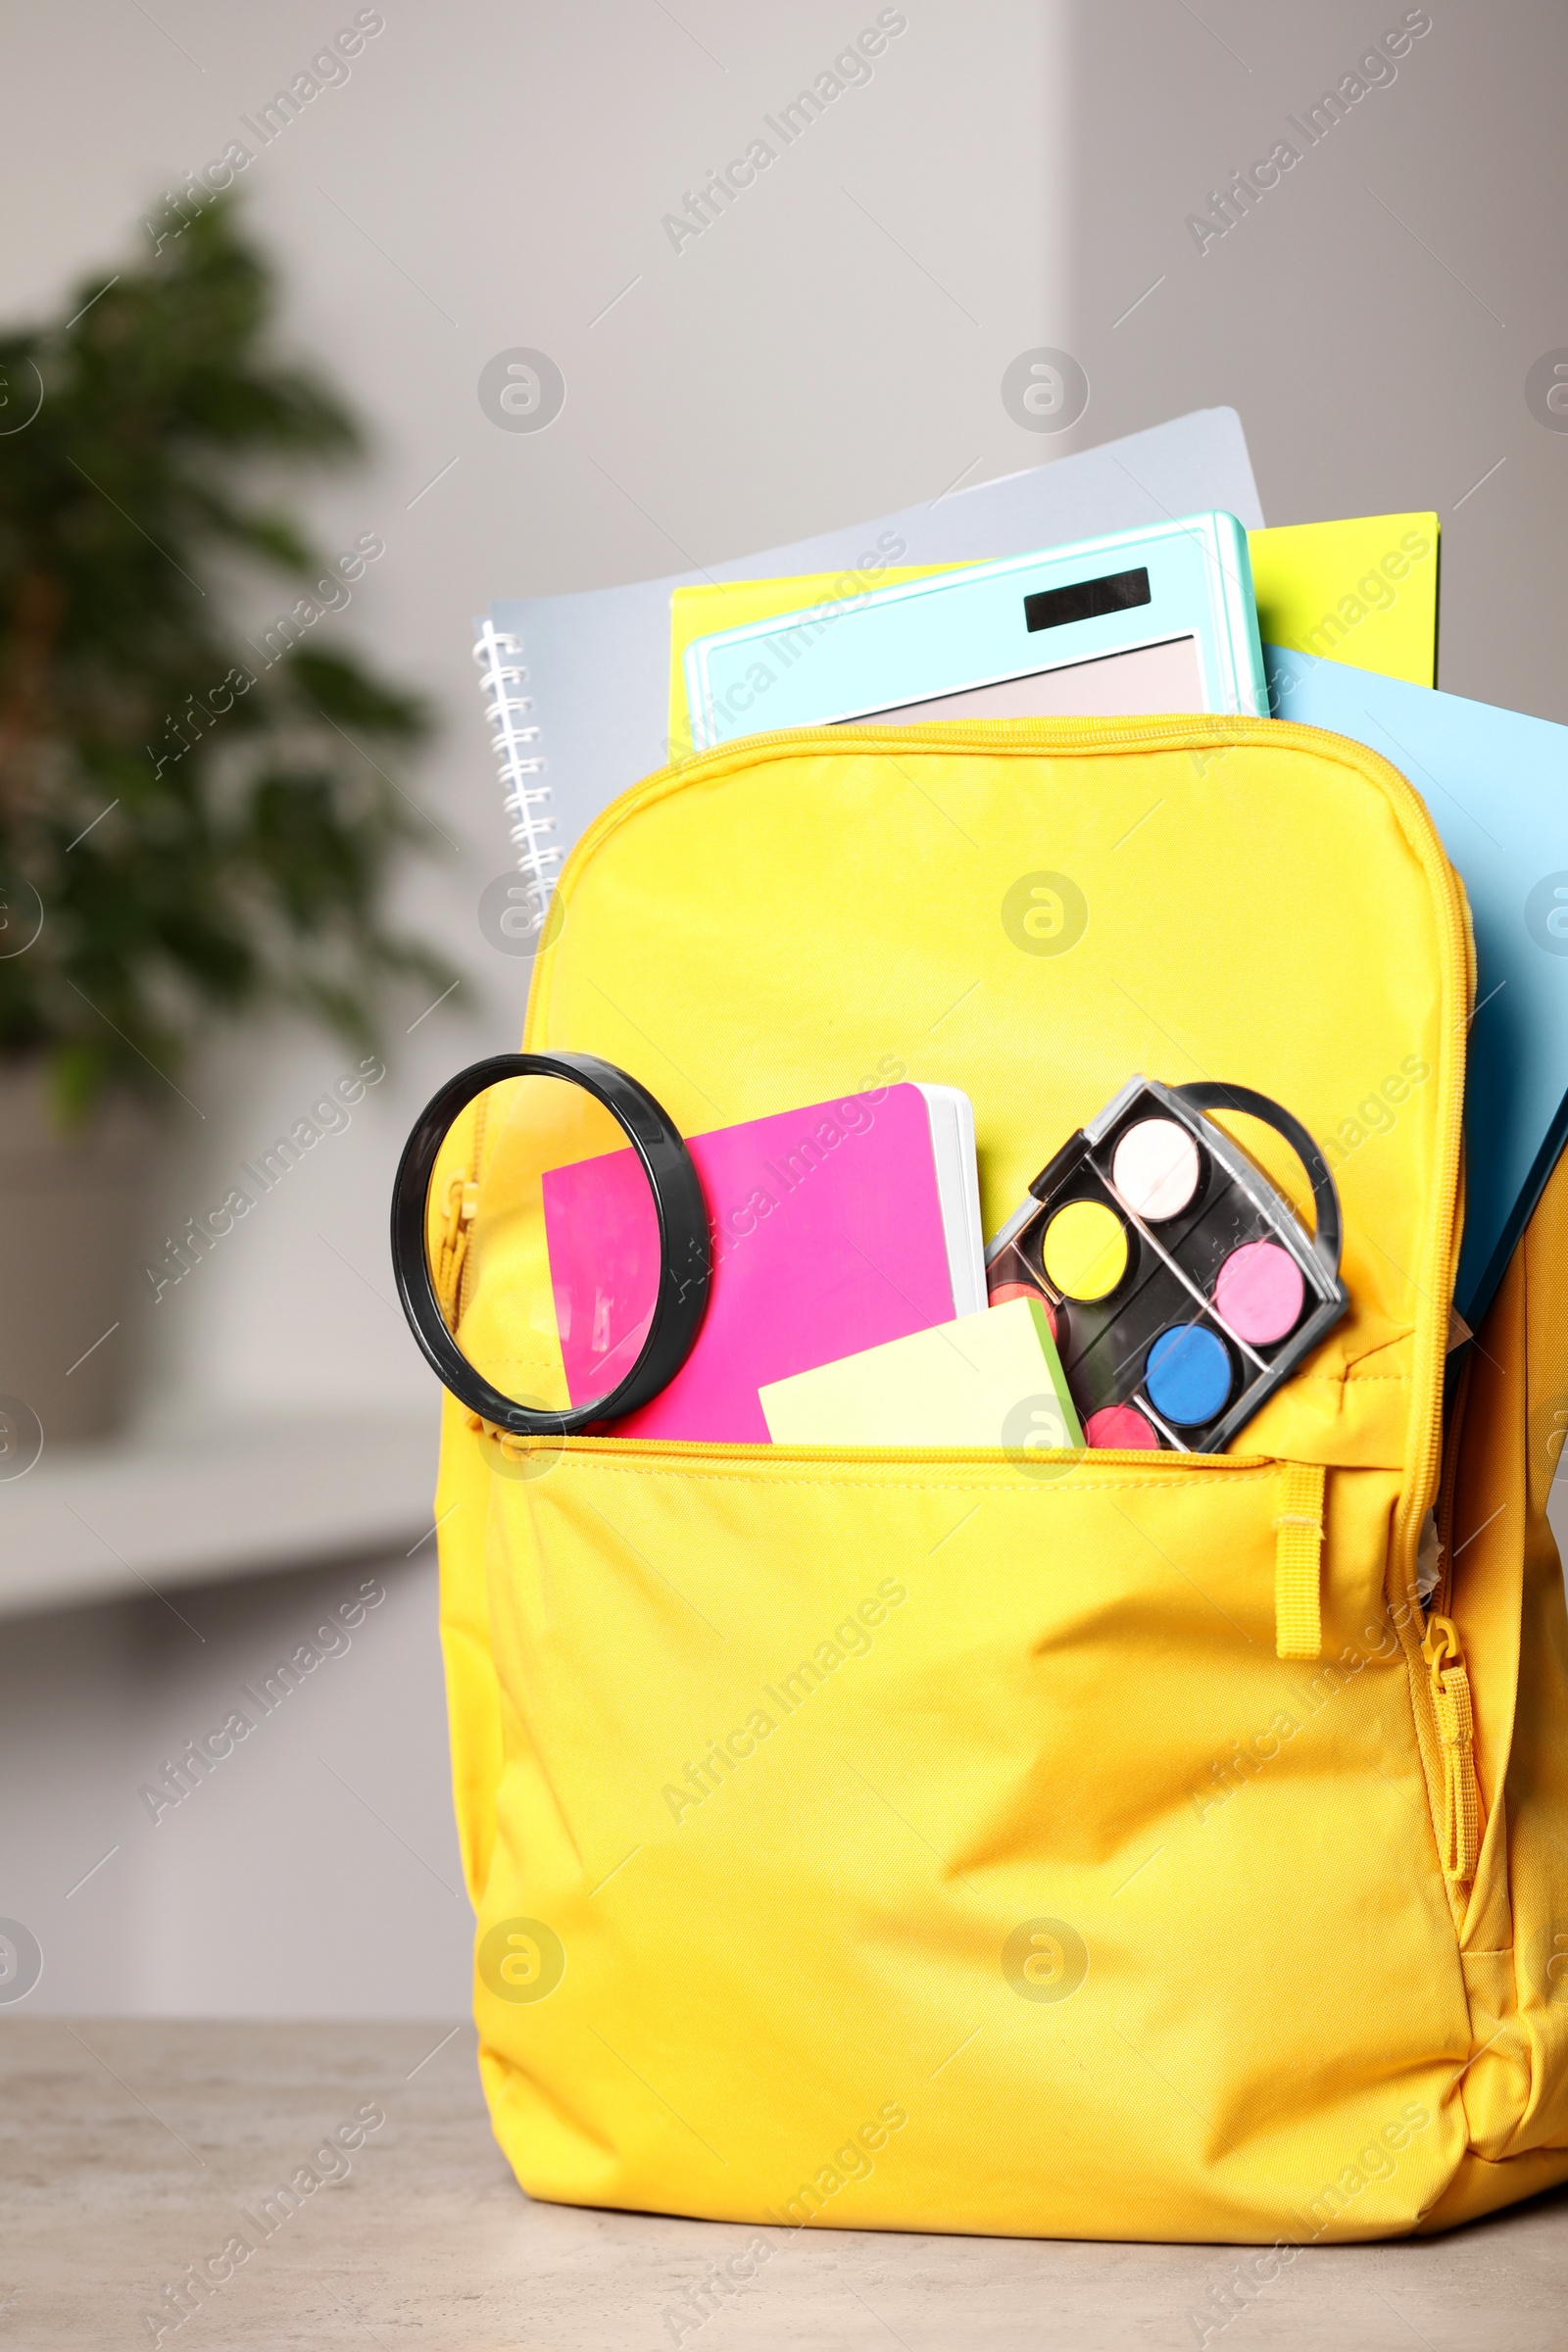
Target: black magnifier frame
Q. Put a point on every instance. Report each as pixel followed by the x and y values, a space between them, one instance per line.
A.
pixel 685 1256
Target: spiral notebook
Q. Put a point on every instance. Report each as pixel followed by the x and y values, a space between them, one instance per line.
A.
pixel 575 687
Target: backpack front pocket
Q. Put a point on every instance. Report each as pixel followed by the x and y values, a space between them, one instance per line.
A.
pixel 938 1842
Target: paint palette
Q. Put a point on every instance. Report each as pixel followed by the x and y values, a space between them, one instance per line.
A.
pixel 1182 1287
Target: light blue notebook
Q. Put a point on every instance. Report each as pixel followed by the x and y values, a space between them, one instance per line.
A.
pixel 1496 785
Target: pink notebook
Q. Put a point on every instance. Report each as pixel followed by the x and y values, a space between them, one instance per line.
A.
pixel 834 1228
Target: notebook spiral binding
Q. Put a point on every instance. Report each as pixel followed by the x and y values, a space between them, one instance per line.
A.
pixel 515 742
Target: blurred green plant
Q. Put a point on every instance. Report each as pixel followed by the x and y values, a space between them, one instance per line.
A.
pixel 192 808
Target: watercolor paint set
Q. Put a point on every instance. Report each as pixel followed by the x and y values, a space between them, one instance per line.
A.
pixel 1181 1285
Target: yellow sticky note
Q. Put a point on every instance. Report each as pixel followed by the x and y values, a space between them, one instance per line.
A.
pixel 991 1379
pixel 1363 592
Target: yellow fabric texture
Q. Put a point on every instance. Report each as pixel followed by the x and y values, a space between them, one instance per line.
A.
pixel 1363 592
pixel 1297 1563
pixel 935 1840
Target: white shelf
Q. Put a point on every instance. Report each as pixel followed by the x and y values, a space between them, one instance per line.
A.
pixel 97 1522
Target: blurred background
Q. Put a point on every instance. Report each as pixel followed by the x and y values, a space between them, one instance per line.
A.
pixel 483 177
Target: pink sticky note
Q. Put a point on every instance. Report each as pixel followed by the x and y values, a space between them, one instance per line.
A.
pixel 601 1231
pixel 827 1238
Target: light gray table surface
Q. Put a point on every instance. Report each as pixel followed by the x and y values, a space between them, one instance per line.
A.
pixel 133 2150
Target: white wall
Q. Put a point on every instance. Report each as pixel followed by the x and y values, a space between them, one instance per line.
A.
pixel 1374 319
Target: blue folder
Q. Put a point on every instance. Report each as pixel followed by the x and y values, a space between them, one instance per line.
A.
pixel 1497 786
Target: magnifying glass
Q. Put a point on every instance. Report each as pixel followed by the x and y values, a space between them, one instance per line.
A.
pixel 550 1241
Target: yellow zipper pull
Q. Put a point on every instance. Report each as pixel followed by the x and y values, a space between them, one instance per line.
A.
pixel 463 1204
pixel 1461 1794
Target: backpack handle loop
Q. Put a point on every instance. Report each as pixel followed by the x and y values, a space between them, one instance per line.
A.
pixel 1327 1235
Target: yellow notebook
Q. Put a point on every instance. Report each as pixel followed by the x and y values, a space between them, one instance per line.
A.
pixel 991 1379
pixel 1363 592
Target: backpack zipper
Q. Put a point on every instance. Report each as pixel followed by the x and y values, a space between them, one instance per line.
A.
pixel 452 1262
pixel 1441 1597
pixel 1448 1687
pixel 1448 1684
pixel 744 1452
pixel 463 1271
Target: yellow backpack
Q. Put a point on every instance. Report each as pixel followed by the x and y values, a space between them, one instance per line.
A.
pixel 906 1840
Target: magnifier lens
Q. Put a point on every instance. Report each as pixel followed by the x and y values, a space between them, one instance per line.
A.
pixel 543 1244
pixel 550 1241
